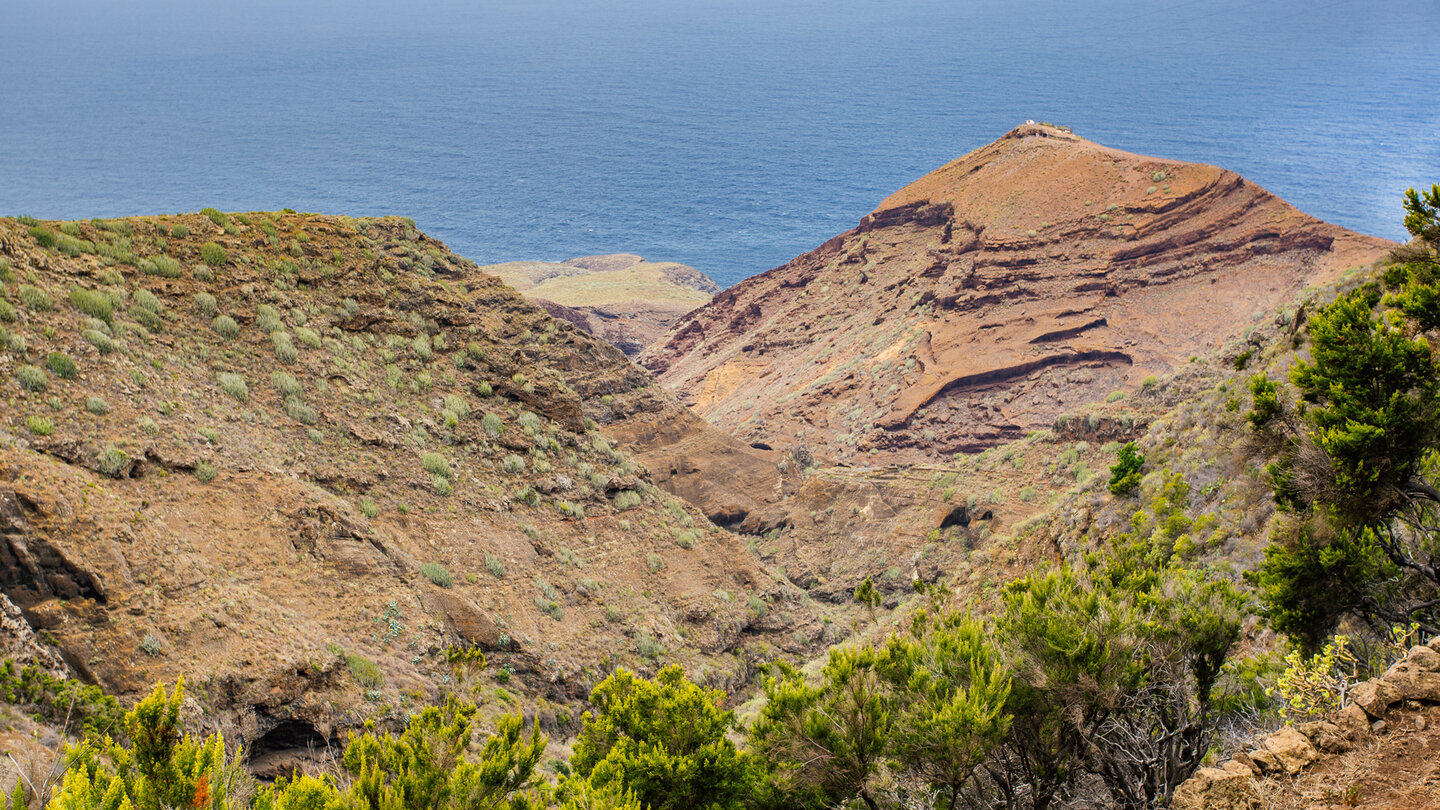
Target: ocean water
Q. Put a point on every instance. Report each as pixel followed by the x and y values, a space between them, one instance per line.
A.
pixel 730 135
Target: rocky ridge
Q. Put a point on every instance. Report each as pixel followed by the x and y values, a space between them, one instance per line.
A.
pixel 1029 277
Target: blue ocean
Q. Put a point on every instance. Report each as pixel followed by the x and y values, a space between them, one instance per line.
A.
pixel 730 135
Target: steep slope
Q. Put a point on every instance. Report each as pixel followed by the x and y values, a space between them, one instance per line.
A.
pixel 296 458
pixel 1028 277
pixel 620 298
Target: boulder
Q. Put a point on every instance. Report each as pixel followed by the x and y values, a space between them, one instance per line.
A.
pixel 1414 677
pixel 1227 787
pixel 1374 697
pixel 1284 752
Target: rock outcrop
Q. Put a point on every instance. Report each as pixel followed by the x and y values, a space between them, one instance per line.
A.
pixel 1414 679
pixel 1031 276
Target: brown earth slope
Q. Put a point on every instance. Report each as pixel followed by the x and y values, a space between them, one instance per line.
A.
pixel 620 298
pixel 1026 278
pixel 269 451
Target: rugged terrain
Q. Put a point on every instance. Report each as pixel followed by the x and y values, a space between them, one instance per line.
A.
pixel 620 298
pixel 1027 278
pixel 298 458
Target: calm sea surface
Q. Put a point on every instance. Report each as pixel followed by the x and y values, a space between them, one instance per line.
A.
pixel 727 134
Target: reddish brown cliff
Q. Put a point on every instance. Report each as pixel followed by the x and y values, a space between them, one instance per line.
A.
pixel 1028 277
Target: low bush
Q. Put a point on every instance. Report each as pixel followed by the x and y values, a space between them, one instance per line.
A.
pixel 214 255
pixel 32 378
pixel 204 472
pixel 492 425
pixel 62 365
pixel 35 299
pixel 226 327
pixel 234 385
pixel 206 304
pixel 113 461
pixel 39 425
pixel 626 499
pixel 93 303
pixel 437 573
pixel 368 508
pixel 300 412
pixel 364 671
pixel 179 232
pixel 494 566
pixel 513 464
pixel 267 319
pixel 99 340
pixel 97 406
pixel 147 300
pixel 435 464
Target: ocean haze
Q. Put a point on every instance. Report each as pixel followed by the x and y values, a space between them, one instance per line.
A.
pixel 730 136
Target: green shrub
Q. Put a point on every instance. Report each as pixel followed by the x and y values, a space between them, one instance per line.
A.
pixel 204 472
pixel 285 383
pixel 1125 474
pixel 59 701
pixel 211 434
pixel 99 340
pixel 437 573
pixel 285 351
pixel 1115 396
pixel 148 301
pixel 494 566
pixel 513 464
pixel 309 337
pixel 214 255
pixel 43 237
pixel 163 266
pixel 267 319
pixel 61 365
pixel 39 425
pixel 32 378
pixel 364 671
pixel 654 562
pixel 113 461
pixel 206 304
pixel 1149 382
pixel 484 389
pixel 148 318
pixel 179 232
pixel 93 303
pixel 457 405
pixel 686 539
pixel 435 464
pixel 216 216
pixel 97 406
pixel 626 499
pixel 368 508
pixel 492 425
pixel 234 385
pixel 7 312
pixel 148 425
pixel 203 273
pixel 421 346
pixel 441 485
pixel 226 327
pixel 35 299
pixel 300 412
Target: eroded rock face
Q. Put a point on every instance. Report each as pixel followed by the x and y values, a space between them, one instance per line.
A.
pixel 1034 275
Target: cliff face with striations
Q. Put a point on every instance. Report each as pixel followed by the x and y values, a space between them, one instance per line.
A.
pixel 1030 276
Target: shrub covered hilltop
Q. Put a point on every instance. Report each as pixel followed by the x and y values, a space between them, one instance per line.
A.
pixel 1108 675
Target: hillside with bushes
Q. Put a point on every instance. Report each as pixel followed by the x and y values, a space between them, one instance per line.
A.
pixel 413 542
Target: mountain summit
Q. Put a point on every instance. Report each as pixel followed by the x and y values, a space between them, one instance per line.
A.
pixel 1035 274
